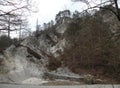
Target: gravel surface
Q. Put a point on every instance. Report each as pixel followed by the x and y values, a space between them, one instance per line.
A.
pixel 38 86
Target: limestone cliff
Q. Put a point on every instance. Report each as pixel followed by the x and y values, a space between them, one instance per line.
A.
pixel 30 58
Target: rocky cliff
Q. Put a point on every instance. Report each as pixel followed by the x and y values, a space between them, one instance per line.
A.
pixel 27 60
pixel 61 50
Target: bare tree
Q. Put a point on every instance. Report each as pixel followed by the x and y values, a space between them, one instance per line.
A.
pixel 111 2
pixel 12 22
pixel 11 13
pixel 12 6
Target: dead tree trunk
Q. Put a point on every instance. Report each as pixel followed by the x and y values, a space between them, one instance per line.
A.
pixel 117 9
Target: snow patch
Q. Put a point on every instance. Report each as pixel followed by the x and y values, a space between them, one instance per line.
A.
pixel 34 80
pixel 64 71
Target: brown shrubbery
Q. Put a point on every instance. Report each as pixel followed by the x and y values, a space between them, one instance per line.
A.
pixel 92 48
pixel 53 64
pixel 6 41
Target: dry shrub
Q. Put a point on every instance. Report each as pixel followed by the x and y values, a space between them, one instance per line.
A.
pixel 92 48
pixel 53 64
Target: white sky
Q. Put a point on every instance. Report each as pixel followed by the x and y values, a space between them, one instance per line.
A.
pixel 47 9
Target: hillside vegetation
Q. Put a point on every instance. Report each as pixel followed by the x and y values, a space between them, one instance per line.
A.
pixel 94 45
pixel 83 47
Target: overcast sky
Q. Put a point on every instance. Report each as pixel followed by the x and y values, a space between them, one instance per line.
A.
pixel 47 9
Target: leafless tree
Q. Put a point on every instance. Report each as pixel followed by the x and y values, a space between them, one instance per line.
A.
pixel 11 14
pixel 12 6
pixel 111 2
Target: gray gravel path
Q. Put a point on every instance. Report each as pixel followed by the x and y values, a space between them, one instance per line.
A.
pixel 77 86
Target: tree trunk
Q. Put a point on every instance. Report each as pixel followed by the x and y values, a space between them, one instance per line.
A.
pixel 8 33
pixel 9 27
pixel 117 9
pixel 9 30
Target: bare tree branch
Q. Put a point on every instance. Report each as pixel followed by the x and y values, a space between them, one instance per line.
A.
pixel 111 2
pixel 11 19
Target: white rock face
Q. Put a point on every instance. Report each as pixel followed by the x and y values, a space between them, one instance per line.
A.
pixel 59 47
pixel 62 28
pixel 23 65
pixel 19 65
